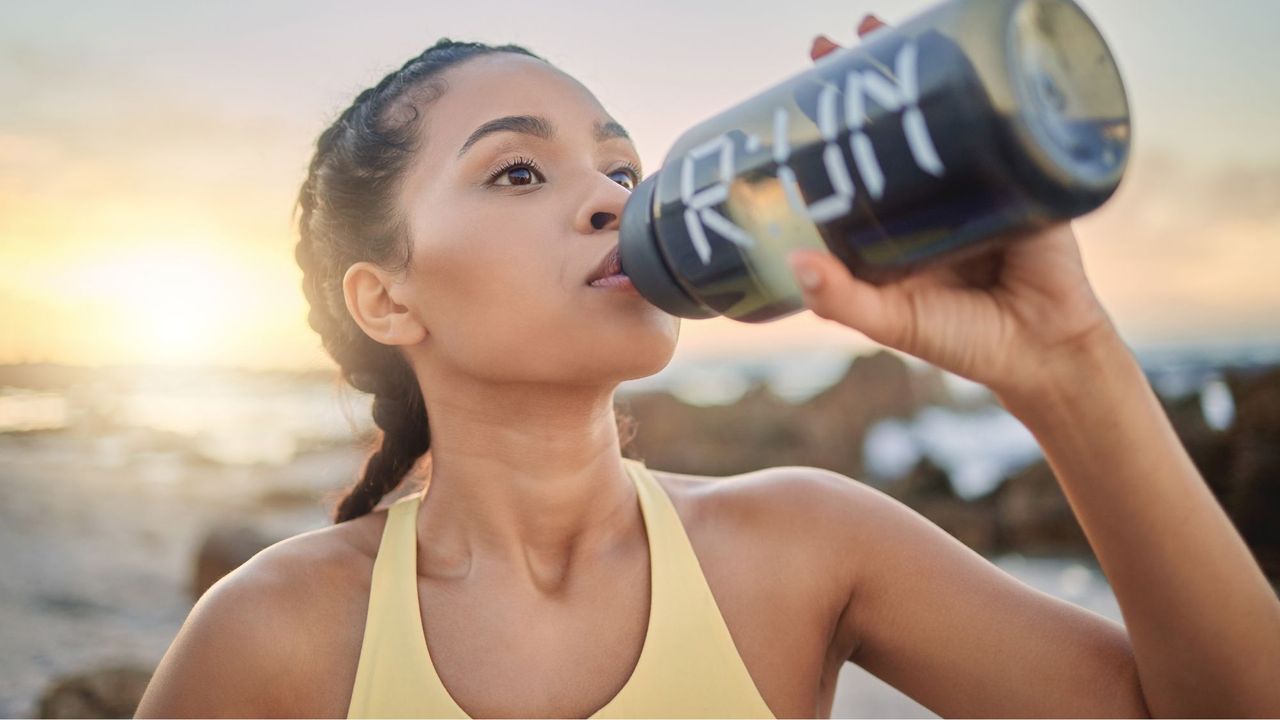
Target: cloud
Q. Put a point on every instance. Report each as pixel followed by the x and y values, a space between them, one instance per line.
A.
pixel 1189 251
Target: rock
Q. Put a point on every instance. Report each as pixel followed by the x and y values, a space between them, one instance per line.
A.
pixel 875 386
pixel 289 498
pixel 106 692
pixel 667 434
pixel 224 549
pixel 762 430
pixel 930 388
pixel 880 383
pixel 1034 517
pixel 754 432
pixel 926 481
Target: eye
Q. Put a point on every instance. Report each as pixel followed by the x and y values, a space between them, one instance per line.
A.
pixel 517 171
pixel 631 173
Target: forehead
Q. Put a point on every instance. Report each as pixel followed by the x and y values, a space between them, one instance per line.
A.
pixel 502 84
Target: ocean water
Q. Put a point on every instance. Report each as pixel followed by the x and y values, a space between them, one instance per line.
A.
pixel 246 418
pixel 977 448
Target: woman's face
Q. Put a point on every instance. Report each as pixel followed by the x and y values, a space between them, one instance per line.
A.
pixel 507 230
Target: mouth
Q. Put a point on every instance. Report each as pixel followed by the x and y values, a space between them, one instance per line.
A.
pixel 608 269
pixel 608 274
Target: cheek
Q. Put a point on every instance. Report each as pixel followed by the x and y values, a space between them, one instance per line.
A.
pixel 504 298
pixel 512 339
pixel 487 256
pixel 493 292
pixel 532 328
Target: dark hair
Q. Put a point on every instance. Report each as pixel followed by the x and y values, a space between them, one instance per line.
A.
pixel 349 215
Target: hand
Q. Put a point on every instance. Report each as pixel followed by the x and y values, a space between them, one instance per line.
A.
pixel 1003 319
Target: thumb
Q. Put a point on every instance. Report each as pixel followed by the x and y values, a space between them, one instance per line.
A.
pixel 832 292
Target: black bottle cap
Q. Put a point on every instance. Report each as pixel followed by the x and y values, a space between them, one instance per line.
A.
pixel 642 260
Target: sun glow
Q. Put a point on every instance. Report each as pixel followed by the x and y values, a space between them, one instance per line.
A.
pixel 168 305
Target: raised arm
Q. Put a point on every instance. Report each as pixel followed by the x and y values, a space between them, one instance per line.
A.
pixel 957 634
pixel 1202 621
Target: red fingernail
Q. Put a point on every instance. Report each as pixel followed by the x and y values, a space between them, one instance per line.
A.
pixel 822 45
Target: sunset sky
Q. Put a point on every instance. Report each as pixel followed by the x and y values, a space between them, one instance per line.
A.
pixel 150 153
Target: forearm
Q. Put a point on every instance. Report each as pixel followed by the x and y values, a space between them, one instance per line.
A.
pixel 1202 619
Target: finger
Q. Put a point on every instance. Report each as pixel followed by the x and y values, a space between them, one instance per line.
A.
pixel 821 46
pixel 868 24
pixel 832 292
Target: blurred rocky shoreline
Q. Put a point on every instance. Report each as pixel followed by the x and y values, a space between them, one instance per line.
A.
pixel 1026 512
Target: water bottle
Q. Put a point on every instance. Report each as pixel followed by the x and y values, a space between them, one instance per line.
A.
pixel 927 142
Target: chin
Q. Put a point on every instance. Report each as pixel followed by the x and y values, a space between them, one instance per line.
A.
pixel 638 348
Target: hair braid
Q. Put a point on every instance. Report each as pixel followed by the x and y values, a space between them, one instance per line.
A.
pixel 348 215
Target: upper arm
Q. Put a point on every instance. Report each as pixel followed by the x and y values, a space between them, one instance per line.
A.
pixel 959 635
pixel 233 655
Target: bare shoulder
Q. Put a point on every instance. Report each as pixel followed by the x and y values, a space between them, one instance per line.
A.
pixel 781 542
pixel 798 525
pixel 256 645
pixel 794 500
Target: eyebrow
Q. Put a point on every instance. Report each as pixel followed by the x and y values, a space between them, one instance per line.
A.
pixel 539 127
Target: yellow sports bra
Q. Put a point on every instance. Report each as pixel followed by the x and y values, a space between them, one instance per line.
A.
pixel 688 667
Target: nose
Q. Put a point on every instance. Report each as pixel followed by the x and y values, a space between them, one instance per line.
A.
pixel 601 220
pixel 602 208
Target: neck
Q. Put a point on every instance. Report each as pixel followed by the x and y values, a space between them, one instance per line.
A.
pixel 528 477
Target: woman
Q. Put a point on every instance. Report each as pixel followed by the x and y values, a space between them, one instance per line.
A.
pixel 453 222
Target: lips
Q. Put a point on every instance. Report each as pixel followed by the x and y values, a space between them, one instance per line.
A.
pixel 611 264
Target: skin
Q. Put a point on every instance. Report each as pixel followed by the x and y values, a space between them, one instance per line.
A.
pixel 532 524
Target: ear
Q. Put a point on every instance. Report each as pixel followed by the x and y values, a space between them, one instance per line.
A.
pixel 368 290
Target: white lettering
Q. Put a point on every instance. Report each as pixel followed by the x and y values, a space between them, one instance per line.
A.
pixel 698 205
pixel 901 94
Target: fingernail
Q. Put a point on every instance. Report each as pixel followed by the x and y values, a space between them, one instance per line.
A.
pixel 808 277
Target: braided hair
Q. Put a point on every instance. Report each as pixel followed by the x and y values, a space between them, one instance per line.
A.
pixel 348 215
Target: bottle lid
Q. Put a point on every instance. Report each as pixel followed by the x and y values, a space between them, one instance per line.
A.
pixel 643 260
pixel 1071 99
